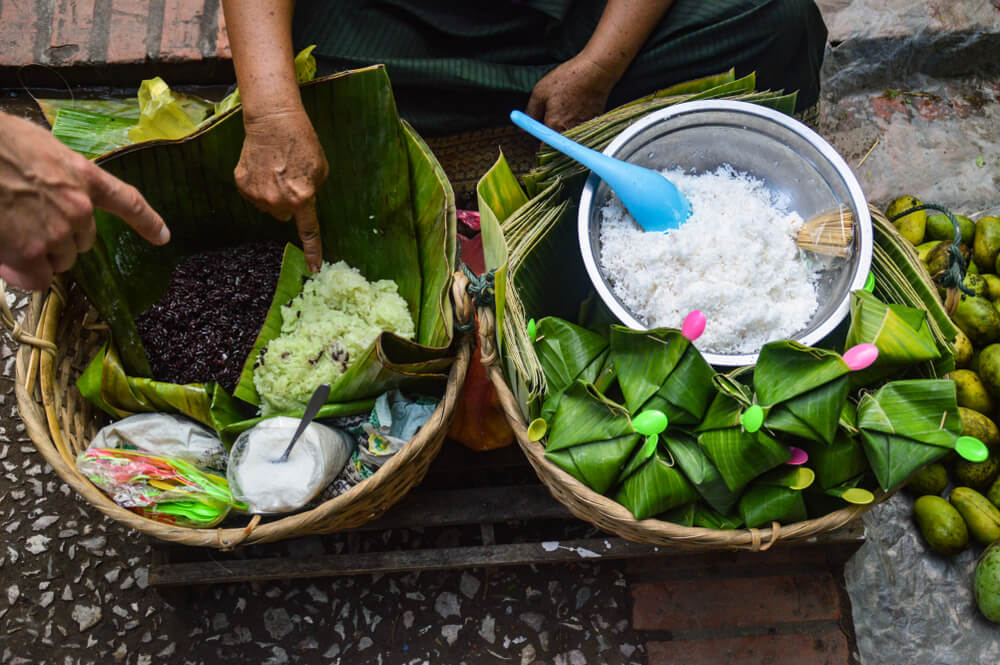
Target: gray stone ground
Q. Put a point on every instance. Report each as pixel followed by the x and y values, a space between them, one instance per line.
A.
pixel 910 101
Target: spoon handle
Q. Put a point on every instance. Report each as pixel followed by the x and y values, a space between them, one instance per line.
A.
pixel 316 402
pixel 592 159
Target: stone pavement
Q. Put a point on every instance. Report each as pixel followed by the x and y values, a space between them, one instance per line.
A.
pixel 911 99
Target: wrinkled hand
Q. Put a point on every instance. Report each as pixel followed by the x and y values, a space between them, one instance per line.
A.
pixel 48 194
pixel 281 167
pixel 573 92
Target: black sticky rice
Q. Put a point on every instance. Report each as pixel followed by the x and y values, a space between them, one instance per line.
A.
pixel 204 326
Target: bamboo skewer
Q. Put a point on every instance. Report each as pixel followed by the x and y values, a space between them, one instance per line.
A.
pixel 830 233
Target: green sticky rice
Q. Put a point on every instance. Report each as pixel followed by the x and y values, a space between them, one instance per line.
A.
pixel 338 315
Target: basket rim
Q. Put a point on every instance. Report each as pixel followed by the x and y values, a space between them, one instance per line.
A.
pixel 609 515
pixel 43 427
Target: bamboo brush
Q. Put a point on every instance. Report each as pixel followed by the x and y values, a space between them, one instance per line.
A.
pixel 830 233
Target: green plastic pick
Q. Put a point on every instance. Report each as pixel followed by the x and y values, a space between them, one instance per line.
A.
pixel 752 418
pixel 650 422
pixel 972 449
pixel 649 447
pixel 537 429
pixel 870 287
pixel 532 330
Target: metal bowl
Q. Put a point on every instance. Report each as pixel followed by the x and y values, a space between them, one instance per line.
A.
pixel 786 155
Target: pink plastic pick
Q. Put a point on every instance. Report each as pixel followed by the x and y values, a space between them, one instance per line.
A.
pixel 860 356
pixel 798 457
pixel 694 325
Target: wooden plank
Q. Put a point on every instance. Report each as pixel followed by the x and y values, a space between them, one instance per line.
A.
pixel 470 506
pixel 220 571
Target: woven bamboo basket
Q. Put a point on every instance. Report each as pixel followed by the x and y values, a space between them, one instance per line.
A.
pixel 60 336
pixel 612 517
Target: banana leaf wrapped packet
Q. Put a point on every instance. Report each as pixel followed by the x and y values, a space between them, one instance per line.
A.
pixel 652 483
pixel 591 437
pixel 569 353
pixel 776 497
pixel 841 460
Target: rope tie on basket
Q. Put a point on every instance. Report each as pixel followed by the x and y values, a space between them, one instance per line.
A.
pixel 480 287
pixel 756 540
pixel 954 274
pixel 226 546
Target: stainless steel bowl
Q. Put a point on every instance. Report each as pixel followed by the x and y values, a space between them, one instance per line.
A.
pixel 786 155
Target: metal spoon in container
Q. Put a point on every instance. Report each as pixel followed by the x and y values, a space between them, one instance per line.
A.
pixel 654 202
pixel 317 400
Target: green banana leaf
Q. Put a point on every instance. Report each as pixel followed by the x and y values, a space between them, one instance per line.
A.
pixel 907 425
pixel 741 456
pixel 682 515
pixel 568 353
pixel 388 211
pixel 699 469
pixel 655 487
pixel 841 460
pixel 763 503
pixel 660 369
pixel 105 384
pixel 823 501
pixel 901 333
pixel 802 389
pixel 590 437
pixel 707 518
pixel 727 405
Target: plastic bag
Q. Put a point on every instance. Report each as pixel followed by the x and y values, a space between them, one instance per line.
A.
pixel 267 486
pixel 163 489
pixel 165 435
pixel 394 421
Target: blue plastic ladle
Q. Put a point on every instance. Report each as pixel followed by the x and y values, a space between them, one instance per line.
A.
pixel 654 202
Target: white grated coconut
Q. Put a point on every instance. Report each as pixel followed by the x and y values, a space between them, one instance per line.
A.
pixel 735 259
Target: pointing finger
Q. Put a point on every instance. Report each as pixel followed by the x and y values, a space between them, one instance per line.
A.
pixel 312 243
pixel 111 194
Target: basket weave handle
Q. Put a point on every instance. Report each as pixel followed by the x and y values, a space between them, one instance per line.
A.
pixel 13 326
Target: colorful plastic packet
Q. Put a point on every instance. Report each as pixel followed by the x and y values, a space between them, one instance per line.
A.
pixel 164 489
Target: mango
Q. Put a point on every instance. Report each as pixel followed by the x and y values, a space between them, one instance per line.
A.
pixel 988 369
pixel 932 479
pixel 939 227
pixel 972 269
pixel 986 244
pixel 981 517
pixel 978 318
pixel 977 475
pixel 939 258
pixel 976 284
pixel 987 583
pixel 992 286
pixel 993 494
pixel 941 525
pixel 912 226
pixel 925 248
pixel 972 394
pixel 977 425
pixel 963 350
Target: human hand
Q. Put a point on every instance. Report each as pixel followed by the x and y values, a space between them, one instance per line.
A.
pixel 573 92
pixel 48 194
pixel 281 167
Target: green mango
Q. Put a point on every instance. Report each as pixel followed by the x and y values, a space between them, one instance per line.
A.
pixel 976 284
pixel 925 248
pixel 963 350
pixel 971 392
pixel 977 475
pixel 987 583
pixel 941 525
pixel 939 227
pixel 988 369
pixel 992 286
pixel 912 226
pixel 981 517
pixel 977 425
pixel 986 244
pixel 932 479
pixel 978 318
pixel 972 269
pixel 993 494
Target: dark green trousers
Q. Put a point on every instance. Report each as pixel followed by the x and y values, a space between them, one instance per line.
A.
pixel 457 66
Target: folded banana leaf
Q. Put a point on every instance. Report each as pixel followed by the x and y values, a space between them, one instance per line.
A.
pixel 682 515
pixel 388 211
pixel 707 518
pixel 662 370
pixel 569 353
pixel 841 460
pixel 902 335
pixel 764 503
pixel 741 456
pixel 907 425
pixel 656 486
pixel 590 437
pixel 698 468
pixel 801 389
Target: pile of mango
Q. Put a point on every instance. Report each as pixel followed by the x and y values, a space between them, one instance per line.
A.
pixel 972 508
